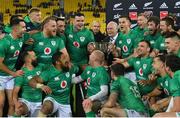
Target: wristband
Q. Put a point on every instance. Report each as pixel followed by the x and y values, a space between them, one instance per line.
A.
pixel 38 85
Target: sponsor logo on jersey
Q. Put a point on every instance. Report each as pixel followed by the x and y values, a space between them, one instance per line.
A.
pixel 147 5
pixel 82 39
pixel 70 36
pixel 88 81
pixel 16 53
pixel 63 84
pixel 56 78
pixel 125 48
pixel 141 72
pixel 38 72
pixel 144 66
pixel 128 41
pixel 29 77
pixel 93 74
pixel 12 47
pixel 47 50
pixel 138 62
pixel 162 45
pixel 67 74
pixel 76 44
pixel 20 44
pixel 163 6
pixel 117 7
pixel 133 7
pixel 88 72
pixel 152 42
pixel 166 83
pixel 53 43
pixel 177 4
pixel 41 43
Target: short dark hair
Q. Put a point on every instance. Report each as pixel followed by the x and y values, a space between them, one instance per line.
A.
pixel 162 58
pixel 15 16
pixel 148 43
pixel 173 35
pixel 21 59
pixel 154 19
pixel 126 17
pixel 169 21
pixel 173 62
pixel 56 56
pixel 16 21
pixel 117 69
pixel 79 14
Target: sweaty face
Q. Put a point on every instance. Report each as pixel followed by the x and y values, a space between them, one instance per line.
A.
pixel 51 28
pixel 124 24
pixel 60 26
pixel 79 22
pixel 152 27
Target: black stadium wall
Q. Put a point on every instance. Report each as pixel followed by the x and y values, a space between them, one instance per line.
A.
pixel 131 8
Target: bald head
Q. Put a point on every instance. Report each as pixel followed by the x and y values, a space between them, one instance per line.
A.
pixel 112 28
pixel 95 26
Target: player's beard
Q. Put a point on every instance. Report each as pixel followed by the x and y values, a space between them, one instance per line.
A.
pixel 34 63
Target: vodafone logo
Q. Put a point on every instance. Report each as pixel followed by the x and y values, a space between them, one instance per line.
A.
pixel 16 53
pixel 47 50
pixel 76 44
pixel 141 72
pixel 125 48
pixel 63 84
pixel 88 81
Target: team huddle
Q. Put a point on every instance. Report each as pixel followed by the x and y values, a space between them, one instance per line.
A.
pixel 125 73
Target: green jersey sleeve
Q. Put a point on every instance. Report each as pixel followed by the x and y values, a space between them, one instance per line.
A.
pixel 3 46
pixel 86 73
pixel 45 76
pixel 61 44
pixel 19 81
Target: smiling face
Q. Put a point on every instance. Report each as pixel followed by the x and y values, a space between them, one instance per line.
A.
pixel 79 22
pixel 60 26
pixel 20 29
pixel 152 27
pixel 157 65
pixel 143 49
pixel 51 28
